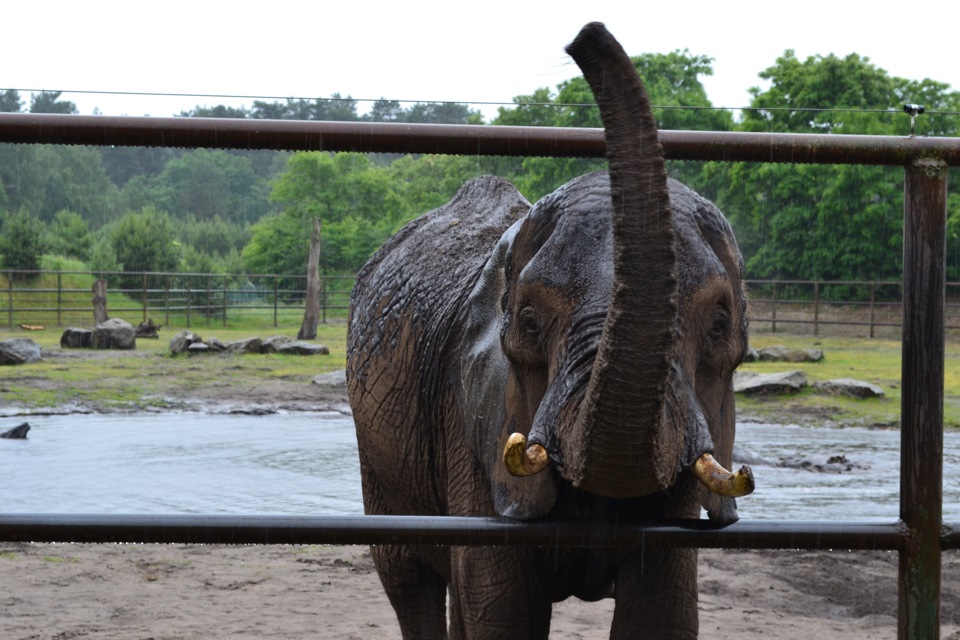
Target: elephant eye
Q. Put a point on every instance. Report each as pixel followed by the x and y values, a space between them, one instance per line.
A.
pixel 720 327
pixel 530 326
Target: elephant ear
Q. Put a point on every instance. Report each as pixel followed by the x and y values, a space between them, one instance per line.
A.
pixel 485 417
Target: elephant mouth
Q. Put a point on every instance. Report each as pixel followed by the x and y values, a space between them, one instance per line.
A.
pixel 522 460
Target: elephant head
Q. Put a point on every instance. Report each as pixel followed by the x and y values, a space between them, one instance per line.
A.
pixel 602 335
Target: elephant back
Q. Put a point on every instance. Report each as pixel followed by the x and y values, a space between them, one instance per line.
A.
pixel 402 313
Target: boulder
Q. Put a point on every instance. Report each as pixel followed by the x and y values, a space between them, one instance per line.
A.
pixel 182 341
pixel 19 351
pixel 273 344
pixel 114 334
pixel 751 355
pixel 74 338
pixel 756 384
pixel 780 353
pixel 300 348
pixel 849 387
pixel 247 345
pixel 17 433
pixel 332 380
pixel 148 329
pixel 198 347
pixel 216 345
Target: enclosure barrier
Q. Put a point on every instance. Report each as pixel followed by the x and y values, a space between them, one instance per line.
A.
pixel 187 298
pixel 919 535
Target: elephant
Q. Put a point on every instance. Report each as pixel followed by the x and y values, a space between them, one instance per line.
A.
pixel 567 359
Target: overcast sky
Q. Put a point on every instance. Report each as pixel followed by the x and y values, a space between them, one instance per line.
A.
pixel 433 51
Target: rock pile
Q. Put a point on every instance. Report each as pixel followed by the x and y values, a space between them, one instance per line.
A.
pixel 191 343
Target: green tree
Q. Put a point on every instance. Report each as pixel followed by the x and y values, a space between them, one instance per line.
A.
pixel 46 179
pixel 674 87
pixel 22 241
pixel 144 241
pixel 207 184
pixel 69 235
pixel 50 102
pixel 219 111
pixel 10 101
pixel 814 221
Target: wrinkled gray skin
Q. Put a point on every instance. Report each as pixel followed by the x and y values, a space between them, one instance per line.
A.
pixel 605 323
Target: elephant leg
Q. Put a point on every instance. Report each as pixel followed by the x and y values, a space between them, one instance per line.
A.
pixel 417 592
pixel 498 593
pixel 656 596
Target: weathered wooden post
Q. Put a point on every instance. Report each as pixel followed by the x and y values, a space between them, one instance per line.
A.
pixel 311 302
pixel 921 430
pixel 100 301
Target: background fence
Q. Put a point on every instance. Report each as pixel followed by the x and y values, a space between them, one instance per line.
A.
pixel 871 309
pixel 64 298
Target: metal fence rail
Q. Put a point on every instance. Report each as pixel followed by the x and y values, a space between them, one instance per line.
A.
pixel 921 536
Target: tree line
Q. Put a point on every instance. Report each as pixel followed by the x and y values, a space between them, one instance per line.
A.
pixel 153 209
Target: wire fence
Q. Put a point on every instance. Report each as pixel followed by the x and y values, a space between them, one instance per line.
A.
pixel 64 298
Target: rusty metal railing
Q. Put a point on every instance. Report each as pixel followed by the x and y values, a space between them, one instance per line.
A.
pixel 919 536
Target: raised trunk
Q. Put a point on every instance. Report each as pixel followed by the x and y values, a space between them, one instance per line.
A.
pixel 620 442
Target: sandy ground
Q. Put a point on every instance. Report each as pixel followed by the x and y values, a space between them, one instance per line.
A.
pixel 167 592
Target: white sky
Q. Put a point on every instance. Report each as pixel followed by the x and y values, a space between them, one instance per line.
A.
pixel 433 51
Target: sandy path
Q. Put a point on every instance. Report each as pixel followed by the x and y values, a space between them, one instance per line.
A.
pixel 166 592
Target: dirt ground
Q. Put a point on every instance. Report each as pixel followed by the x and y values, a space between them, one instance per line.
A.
pixel 167 592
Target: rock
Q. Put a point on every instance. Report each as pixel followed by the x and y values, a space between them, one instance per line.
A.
pixel 333 380
pixel 834 464
pixel 17 433
pixel 148 329
pixel 247 345
pixel 780 353
pixel 300 348
pixel 751 355
pixel 74 338
pixel 756 384
pixel 19 351
pixel 744 456
pixel 273 344
pixel 114 334
pixel 182 341
pixel 849 387
pixel 216 345
pixel 198 347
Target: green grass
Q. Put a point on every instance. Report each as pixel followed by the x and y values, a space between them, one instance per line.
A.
pixel 145 377
pixel 875 361
pixel 149 377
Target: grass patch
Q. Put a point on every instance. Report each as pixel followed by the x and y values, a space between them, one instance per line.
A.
pixel 150 378
pixel 875 361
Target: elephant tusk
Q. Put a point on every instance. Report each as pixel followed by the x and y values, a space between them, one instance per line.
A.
pixel 522 460
pixel 722 482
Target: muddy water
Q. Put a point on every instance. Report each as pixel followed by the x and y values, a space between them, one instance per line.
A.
pixel 307 464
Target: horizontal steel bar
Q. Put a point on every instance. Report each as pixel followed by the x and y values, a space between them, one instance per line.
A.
pixel 206 529
pixel 301 135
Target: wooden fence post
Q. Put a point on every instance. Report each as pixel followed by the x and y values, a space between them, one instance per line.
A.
pixel 10 298
pixel 224 300
pixel 276 298
pixel 872 288
pixel 59 298
pixel 166 300
pixel 816 308
pixel 773 328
